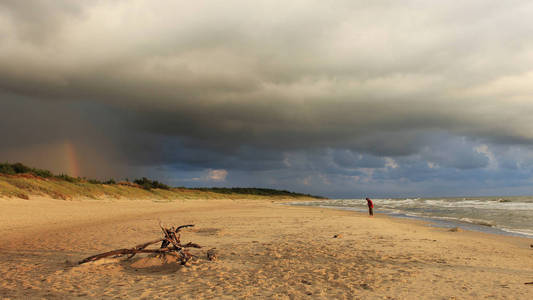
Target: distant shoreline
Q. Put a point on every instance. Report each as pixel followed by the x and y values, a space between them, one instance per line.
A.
pixel 18 180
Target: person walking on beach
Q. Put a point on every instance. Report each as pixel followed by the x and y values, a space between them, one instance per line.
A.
pixel 370 206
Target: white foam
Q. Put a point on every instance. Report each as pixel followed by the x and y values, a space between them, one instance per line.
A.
pixel 508 216
pixel 477 222
pixel 522 231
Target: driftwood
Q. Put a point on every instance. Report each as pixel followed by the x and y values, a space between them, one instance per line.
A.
pixel 529 282
pixel 170 244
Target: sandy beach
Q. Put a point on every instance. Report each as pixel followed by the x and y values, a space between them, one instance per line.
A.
pixel 266 250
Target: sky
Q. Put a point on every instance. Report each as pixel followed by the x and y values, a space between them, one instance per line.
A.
pixel 336 98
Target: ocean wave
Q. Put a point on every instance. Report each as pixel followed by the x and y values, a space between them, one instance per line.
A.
pixel 491 214
pixel 477 222
pixel 439 203
pixel 480 222
pixel 427 204
pixel 521 231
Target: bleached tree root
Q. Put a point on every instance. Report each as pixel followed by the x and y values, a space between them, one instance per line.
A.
pixel 170 244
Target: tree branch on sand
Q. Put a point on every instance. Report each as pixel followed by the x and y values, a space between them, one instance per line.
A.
pixel 170 244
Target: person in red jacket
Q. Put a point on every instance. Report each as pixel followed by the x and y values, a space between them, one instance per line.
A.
pixel 370 206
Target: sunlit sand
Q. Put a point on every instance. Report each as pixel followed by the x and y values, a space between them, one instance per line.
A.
pixel 265 250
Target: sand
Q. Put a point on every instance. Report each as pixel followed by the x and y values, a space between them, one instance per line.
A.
pixel 265 250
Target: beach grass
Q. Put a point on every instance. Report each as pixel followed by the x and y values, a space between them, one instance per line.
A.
pixel 24 185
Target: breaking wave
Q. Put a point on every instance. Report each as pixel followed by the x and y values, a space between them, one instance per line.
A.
pixel 511 215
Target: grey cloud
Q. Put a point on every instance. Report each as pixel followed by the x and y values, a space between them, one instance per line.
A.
pixel 37 21
pixel 245 85
pixel 454 152
pixel 348 159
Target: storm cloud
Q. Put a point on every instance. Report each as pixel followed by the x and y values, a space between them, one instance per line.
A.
pixel 351 98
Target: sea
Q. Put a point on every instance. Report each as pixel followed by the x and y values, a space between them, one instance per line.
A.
pixel 499 215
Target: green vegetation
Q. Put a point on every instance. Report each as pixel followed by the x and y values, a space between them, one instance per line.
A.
pixel 67 178
pixel 148 184
pixel 18 180
pixel 255 191
pixel 18 168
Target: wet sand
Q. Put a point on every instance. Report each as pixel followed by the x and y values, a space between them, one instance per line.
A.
pixel 265 250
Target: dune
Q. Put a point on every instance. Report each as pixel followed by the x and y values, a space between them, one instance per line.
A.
pixel 265 250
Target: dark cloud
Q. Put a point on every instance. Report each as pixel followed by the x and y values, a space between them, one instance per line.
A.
pixel 349 159
pixel 302 94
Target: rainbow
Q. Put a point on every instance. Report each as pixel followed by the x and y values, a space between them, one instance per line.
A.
pixel 73 165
